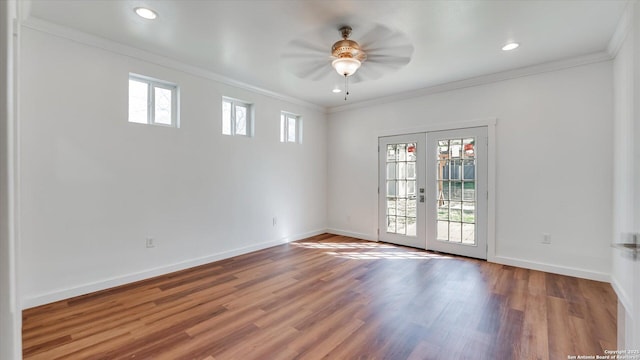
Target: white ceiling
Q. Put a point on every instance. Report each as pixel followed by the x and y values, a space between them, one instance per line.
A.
pixel 249 41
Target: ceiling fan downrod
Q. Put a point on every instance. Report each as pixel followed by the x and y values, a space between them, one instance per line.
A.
pixel 345 31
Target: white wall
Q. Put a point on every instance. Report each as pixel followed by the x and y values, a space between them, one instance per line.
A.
pixel 625 273
pixel 10 314
pixel 95 186
pixel 553 163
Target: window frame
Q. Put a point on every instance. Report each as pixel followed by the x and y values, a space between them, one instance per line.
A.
pixel 152 84
pixel 284 127
pixel 249 117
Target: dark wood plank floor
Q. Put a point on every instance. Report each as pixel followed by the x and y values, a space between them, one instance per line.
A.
pixel 337 298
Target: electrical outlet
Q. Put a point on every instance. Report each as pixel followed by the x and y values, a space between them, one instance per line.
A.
pixel 150 242
pixel 546 238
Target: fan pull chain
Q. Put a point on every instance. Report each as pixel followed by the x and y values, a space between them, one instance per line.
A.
pixel 346 87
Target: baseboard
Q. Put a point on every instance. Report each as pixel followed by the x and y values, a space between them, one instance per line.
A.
pixel 83 289
pixel 623 296
pixel 353 234
pixel 304 235
pixel 556 269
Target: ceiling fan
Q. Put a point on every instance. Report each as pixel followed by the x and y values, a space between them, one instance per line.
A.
pixel 381 50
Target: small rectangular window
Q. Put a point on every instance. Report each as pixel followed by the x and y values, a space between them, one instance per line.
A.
pixel 152 101
pixel 290 127
pixel 237 117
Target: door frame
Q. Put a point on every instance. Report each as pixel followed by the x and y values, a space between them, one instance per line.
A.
pixel 490 123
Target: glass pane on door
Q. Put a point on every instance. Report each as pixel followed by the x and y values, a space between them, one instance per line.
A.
pixel 400 188
pixel 456 196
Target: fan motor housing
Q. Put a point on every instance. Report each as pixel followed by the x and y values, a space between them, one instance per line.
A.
pixel 348 48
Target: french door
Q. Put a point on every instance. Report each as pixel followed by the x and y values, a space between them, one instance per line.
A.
pixel 401 189
pixel 457 198
pixel 433 191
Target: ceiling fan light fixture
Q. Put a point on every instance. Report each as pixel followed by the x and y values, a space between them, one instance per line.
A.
pixel 346 66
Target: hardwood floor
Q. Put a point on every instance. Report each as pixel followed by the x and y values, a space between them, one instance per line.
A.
pixel 337 298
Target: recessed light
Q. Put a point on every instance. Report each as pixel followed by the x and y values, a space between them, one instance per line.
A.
pixel 336 90
pixel 510 46
pixel 146 13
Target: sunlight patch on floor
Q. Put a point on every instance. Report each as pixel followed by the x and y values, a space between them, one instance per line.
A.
pixel 328 245
pixel 396 255
pixel 369 251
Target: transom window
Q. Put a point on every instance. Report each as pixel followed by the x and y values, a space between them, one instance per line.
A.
pixel 237 117
pixel 290 127
pixel 152 101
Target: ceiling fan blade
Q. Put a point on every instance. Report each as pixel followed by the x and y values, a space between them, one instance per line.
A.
pixel 405 50
pixel 377 34
pixel 306 59
pixel 391 61
pixel 383 39
pixel 314 70
pixel 323 72
pixel 306 47
pixel 302 56
pixel 386 50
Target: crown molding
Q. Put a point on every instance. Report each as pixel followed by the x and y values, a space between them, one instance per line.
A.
pixel 480 80
pixel 121 49
pixel 624 27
